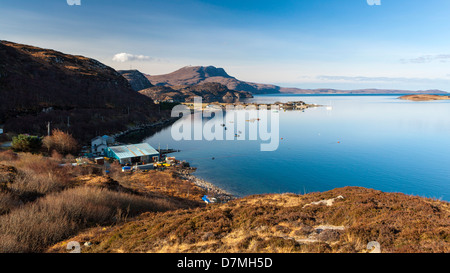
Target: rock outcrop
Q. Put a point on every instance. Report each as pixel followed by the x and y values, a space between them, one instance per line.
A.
pixel 137 80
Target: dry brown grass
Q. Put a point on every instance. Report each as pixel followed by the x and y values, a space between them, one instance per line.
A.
pixel 8 155
pixel 8 202
pixel 35 226
pixel 35 176
pixel 160 182
pixel 280 223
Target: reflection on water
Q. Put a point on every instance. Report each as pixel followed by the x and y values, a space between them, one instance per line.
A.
pixel 377 142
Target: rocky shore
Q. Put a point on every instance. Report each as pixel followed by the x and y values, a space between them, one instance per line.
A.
pixel 221 195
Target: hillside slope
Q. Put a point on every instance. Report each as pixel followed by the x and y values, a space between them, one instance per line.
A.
pixel 209 91
pixel 341 220
pixel 75 93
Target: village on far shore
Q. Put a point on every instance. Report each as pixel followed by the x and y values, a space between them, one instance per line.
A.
pixel 287 106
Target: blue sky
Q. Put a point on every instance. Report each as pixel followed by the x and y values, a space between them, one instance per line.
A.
pixel 348 44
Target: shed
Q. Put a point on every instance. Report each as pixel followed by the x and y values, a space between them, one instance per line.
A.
pixel 133 153
pixel 100 160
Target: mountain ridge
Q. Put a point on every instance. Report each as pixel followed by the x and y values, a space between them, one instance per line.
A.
pixel 192 75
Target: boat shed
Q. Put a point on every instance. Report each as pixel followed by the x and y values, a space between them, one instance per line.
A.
pixel 133 153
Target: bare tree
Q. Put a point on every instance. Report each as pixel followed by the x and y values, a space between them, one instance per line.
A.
pixel 61 142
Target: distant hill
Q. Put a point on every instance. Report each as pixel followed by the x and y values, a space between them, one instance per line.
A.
pixel 192 75
pixel 209 91
pixel 137 80
pixel 74 93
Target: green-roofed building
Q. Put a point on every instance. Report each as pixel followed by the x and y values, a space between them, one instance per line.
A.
pixel 133 153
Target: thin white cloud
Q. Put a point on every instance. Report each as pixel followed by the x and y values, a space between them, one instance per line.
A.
pixel 443 58
pixel 363 79
pixel 127 57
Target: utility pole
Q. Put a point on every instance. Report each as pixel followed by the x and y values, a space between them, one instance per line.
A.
pixel 48 128
pixel 68 121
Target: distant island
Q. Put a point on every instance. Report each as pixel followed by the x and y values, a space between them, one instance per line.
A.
pixel 424 97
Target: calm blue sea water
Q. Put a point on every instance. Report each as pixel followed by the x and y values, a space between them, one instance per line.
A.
pixel 378 142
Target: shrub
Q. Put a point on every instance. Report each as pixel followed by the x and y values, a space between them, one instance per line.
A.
pixel 26 143
pixel 61 142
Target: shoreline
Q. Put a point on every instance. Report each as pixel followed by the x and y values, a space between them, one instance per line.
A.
pixel 220 194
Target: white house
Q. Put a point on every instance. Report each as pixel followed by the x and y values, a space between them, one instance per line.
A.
pixel 100 144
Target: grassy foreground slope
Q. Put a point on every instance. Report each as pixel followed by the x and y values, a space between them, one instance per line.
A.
pixel 43 203
pixel 341 220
